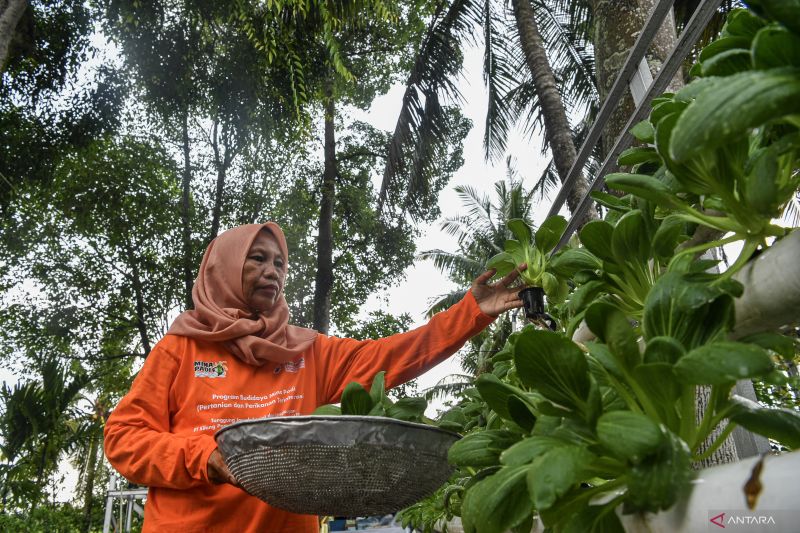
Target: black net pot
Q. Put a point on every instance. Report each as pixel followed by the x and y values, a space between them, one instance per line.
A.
pixel 533 304
pixel 532 301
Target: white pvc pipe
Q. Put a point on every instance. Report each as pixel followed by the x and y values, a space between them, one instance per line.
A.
pixel 720 489
pixel 771 298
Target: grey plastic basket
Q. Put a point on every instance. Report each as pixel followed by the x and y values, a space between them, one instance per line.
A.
pixel 337 465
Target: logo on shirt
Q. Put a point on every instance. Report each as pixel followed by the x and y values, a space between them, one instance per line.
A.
pixel 206 369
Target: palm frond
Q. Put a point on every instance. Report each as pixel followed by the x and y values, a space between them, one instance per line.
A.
pixel 499 77
pixel 451 385
pixel 458 264
pixel 791 214
pixel 445 301
pixel 548 181
pixel 432 76
pixel 571 56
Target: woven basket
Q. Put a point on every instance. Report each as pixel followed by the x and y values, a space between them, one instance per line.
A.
pixel 337 465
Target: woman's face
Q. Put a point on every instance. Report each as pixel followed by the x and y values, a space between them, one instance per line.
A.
pixel 264 273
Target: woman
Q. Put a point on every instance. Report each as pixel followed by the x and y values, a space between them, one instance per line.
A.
pixel 235 357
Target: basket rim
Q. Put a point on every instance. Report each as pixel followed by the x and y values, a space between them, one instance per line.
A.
pixel 335 418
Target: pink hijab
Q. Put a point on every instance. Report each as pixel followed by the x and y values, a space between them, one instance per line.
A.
pixel 221 312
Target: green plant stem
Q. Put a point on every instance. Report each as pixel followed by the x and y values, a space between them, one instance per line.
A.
pixel 687 408
pixel 750 245
pixel 707 245
pixel 706 423
pixel 643 397
pixel 630 401
pixel 716 444
pixel 725 224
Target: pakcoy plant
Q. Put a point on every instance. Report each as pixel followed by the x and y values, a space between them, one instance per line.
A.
pixel 713 155
pixel 724 151
pixel 533 249
pixel 621 258
pixel 358 402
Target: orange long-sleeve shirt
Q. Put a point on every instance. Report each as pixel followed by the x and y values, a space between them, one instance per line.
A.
pixel 161 433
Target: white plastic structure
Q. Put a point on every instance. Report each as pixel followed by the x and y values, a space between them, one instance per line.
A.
pixel 127 500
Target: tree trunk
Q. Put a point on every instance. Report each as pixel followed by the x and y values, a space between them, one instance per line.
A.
pixel 617 24
pixel 726 453
pixel 222 169
pixel 91 468
pixel 186 209
pixel 556 126
pixel 138 291
pixel 324 279
pixel 10 14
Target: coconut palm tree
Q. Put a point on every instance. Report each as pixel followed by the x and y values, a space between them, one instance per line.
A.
pixel 481 233
pixel 521 81
pixel 38 426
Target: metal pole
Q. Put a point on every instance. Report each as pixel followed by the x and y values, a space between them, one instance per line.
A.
pixel 688 38
pixel 129 513
pixel 613 98
pixel 112 485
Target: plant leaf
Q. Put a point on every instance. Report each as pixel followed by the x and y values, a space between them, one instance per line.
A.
pixel 757 97
pixel 496 393
pixel 668 236
pixel 552 474
pixel 327 410
pixel 596 237
pixel 661 385
pixel 775 46
pixel 356 400
pixel 612 327
pixel 482 448
pixel 643 131
pixel 554 366
pixel 781 425
pixel 529 449
pixel 549 233
pixel 637 155
pixel 573 260
pixel 723 362
pixel 630 243
pixel 408 408
pixel 629 436
pixel 689 308
pixel 378 390
pixel 663 350
pixel 592 519
pixel 728 62
pixel 498 502
pixel 787 12
pixel 781 344
pixel 657 481
pixel 641 185
pixel 521 413
pixel 502 262
pixel 521 231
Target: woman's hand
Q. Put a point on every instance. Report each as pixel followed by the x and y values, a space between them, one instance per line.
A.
pixel 497 297
pixel 218 471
